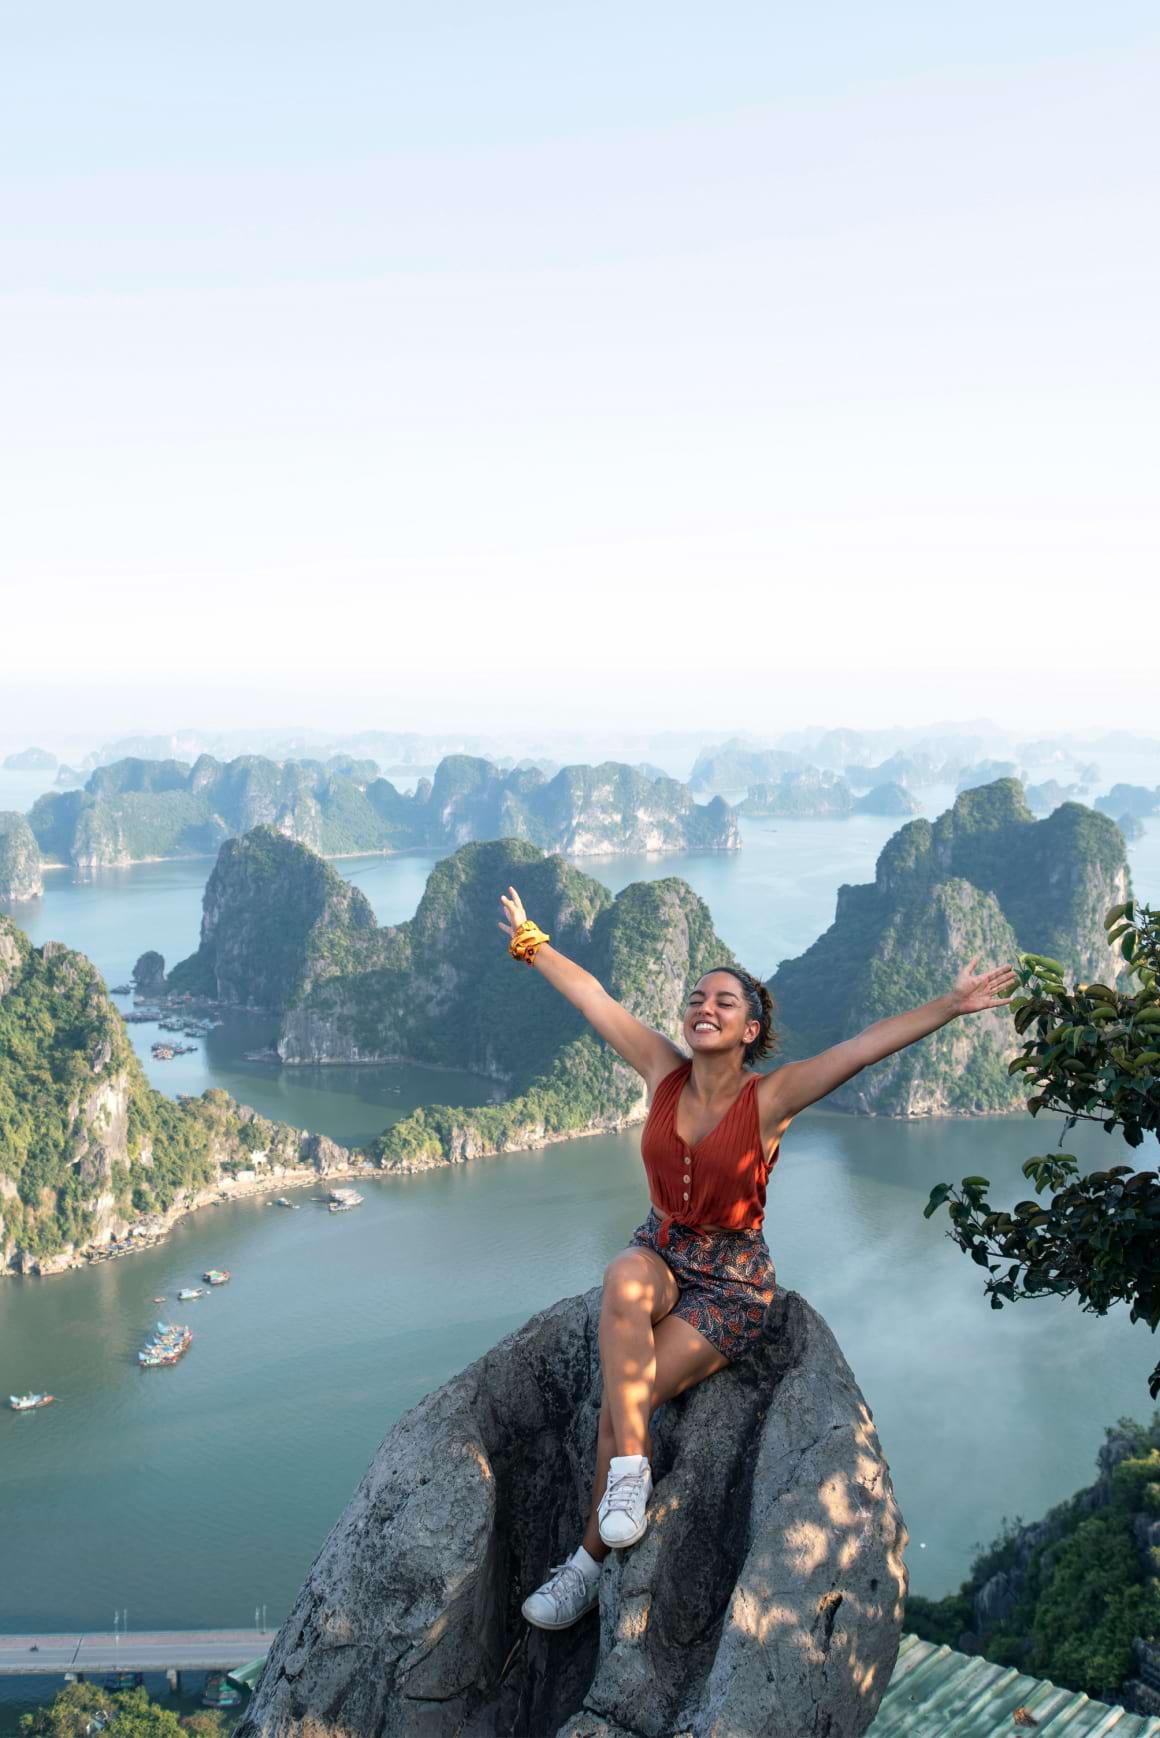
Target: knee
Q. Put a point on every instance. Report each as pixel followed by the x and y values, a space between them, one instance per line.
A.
pixel 628 1284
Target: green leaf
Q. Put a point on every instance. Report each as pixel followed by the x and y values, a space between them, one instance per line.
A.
pixel 976 1183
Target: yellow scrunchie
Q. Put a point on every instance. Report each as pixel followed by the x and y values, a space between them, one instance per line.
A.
pixel 528 937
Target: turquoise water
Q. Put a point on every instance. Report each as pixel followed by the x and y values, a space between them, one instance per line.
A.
pixel 190 1495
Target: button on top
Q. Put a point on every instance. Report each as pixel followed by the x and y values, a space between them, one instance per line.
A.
pixel 686 1178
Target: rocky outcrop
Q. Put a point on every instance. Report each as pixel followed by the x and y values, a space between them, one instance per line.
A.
pixel 20 876
pixel 800 794
pixel 766 1597
pixel 148 974
pixel 582 811
pixel 88 1150
pixel 136 809
pixel 986 878
pixel 1135 800
pixel 275 918
pixel 736 764
pixel 887 799
pixel 30 760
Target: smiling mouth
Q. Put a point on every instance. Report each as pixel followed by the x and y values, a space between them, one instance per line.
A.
pixel 705 1026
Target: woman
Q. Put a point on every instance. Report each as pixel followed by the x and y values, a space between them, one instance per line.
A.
pixel 690 1293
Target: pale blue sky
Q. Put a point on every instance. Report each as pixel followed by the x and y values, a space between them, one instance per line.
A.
pixel 815 339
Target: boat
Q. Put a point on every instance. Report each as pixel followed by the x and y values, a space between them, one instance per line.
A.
pixel 283 1201
pixel 158 1300
pixel 29 1402
pixel 216 1275
pixel 191 1291
pixel 123 1680
pixel 344 1200
pixel 219 1692
pixel 166 1345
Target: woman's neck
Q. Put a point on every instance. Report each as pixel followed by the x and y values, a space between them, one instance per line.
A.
pixel 717 1077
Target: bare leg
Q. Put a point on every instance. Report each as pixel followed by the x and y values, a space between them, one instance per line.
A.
pixel 681 1358
pixel 639 1289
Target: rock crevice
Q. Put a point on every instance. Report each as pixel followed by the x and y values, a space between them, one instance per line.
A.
pixel 765 1598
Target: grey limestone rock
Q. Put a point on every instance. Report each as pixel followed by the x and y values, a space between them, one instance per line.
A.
pixel 765 1599
pixel 20 876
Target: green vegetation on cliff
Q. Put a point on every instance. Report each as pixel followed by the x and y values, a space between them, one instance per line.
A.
pixel 986 878
pixel 85 1141
pixel 275 917
pixel 1064 1598
pixel 137 809
pixel 283 930
pixel 19 858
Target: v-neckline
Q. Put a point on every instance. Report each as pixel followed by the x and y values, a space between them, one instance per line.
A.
pixel 721 1121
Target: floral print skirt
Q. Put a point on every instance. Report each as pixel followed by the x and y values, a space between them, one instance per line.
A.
pixel 726 1281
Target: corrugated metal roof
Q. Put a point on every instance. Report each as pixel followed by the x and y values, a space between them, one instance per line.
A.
pixel 935 1692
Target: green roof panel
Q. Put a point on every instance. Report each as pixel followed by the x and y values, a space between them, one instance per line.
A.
pixel 935 1692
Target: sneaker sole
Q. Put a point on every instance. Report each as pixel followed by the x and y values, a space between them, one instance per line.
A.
pixel 623 1544
pixel 538 1622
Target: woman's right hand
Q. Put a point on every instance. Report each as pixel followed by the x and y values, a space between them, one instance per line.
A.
pixel 514 913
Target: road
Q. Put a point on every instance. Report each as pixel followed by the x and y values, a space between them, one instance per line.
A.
pixel 144 1651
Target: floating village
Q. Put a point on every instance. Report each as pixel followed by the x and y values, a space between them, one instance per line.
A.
pixel 168 1342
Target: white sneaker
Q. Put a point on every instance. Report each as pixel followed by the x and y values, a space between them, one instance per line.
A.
pixel 621 1514
pixel 566 1596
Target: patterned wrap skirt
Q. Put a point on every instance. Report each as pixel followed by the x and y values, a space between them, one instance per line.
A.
pixel 726 1281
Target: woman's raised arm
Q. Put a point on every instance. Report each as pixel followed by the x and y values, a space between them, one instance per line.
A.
pixel 648 1051
pixel 796 1085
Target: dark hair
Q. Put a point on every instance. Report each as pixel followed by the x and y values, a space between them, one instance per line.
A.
pixel 759 1004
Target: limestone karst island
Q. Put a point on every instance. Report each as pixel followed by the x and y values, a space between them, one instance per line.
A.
pixel 321 1049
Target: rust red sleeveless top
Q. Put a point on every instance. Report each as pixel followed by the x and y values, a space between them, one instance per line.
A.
pixel 721 1180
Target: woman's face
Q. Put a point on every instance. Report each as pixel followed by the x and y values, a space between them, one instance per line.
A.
pixel 717 1017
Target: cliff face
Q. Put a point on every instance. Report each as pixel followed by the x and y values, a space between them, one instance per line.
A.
pixel 735 765
pixel 800 794
pixel 581 811
pixel 275 918
pixel 87 1148
pixel 283 931
pixel 986 878
pixel 138 809
pixel 766 1596
pixel 19 858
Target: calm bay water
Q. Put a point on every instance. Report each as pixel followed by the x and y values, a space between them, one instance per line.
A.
pixel 191 1495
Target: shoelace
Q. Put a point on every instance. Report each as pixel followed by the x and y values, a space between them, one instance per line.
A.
pixel 556 1587
pixel 622 1492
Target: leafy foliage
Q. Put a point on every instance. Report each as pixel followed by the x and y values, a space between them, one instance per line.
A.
pixel 81 1710
pixel 1090 1052
pixel 67 1073
pixel 1086 1591
pixel 970 882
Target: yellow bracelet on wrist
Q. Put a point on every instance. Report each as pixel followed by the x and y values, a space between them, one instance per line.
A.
pixel 524 943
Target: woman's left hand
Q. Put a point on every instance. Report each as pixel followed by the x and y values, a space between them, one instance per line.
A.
pixel 972 992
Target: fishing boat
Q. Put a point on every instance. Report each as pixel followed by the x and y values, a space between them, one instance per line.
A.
pixel 216 1275
pixel 165 1346
pixel 219 1692
pixel 29 1402
pixel 344 1200
pixel 123 1680
pixel 283 1201
pixel 191 1291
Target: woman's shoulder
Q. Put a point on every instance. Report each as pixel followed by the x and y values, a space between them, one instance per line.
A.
pixel 673 1077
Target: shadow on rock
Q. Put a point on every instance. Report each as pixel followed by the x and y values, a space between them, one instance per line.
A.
pixel 765 1598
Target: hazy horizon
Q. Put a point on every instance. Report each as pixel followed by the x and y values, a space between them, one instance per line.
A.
pixel 751 368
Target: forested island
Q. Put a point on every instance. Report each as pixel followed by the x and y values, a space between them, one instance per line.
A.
pixel 136 810
pixel 283 931
pixel 89 1152
pixel 986 878
pixel 20 876
pixel 812 794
